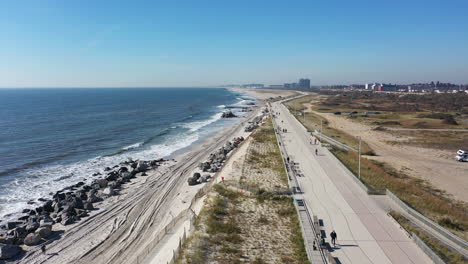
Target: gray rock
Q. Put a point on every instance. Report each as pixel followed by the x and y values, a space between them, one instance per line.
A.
pixel 93 198
pixel 112 184
pixel 192 181
pixel 31 227
pixel 108 191
pixel 45 221
pixel 102 183
pixel 141 166
pixel 68 220
pixel 44 231
pixel 228 114
pixel 32 239
pixel 88 206
pixel 10 225
pixel 205 178
pixel 48 206
pixel 20 232
pixel 8 251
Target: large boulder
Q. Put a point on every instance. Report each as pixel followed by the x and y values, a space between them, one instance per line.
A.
pixel 48 206
pixel 204 166
pixel 10 225
pixel 44 231
pixel 8 251
pixel 102 183
pixel 88 206
pixel 32 239
pixel 45 221
pixel 68 220
pixel 192 181
pixel 141 166
pixel 93 198
pixel 108 192
pixel 205 178
pixel 75 202
pixel 31 227
pixel 228 114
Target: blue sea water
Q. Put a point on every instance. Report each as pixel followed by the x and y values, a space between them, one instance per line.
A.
pixel 52 138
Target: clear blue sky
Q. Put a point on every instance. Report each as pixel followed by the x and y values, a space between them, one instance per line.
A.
pixel 196 43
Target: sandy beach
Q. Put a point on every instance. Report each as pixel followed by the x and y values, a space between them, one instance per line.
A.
pixel 126 224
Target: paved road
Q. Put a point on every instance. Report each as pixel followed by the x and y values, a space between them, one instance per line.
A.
pixel 365 233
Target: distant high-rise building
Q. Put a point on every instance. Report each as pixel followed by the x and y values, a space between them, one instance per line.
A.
pixel 304 83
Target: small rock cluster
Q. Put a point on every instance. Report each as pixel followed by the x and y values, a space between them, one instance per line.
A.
pixel 228 114
pixel 67 206
pixel 253 124
pixel 214 162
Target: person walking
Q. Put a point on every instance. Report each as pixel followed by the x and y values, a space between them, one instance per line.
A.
pixel 43 249
pixel 333 237
pixel 316 152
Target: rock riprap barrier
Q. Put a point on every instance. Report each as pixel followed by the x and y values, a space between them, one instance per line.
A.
pixel 67 206
pixel 215 162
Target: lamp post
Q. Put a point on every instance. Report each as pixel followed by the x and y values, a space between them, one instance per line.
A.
pixel 359 162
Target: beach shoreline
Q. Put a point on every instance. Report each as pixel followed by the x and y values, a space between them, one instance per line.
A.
pixel 99 237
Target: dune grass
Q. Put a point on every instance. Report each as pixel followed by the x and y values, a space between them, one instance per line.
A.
pixel 236 226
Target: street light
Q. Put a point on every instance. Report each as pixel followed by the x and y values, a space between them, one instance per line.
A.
pixel 359 154
pixel 321 126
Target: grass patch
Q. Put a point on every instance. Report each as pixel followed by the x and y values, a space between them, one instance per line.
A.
pixel 272 159
pixel 447 255
pixel 232 222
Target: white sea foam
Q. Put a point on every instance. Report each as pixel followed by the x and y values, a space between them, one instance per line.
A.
pixel 133 146
pixel 37 183
pixel 196 125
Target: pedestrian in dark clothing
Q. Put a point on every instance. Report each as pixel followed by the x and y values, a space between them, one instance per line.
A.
pixel 333 237
pixel 43 249
pixel 316 152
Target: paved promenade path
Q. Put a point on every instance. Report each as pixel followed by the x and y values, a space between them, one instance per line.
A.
pixel 366 234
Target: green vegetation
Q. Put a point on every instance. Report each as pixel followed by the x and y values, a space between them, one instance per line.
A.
pixel 447 255
pixel 369 101
pixel 415 192
pixel 271 159
pixel 234 220
pixel 396 110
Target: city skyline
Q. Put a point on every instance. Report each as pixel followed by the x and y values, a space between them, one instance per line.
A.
pixel 186 44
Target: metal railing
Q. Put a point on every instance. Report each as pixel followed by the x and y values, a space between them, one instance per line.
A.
pixel 431 224
pixel 289 171
pixel 429 252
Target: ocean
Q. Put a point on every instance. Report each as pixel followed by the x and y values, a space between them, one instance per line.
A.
pixel 53 138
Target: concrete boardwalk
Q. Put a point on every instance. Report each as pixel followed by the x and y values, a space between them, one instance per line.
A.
pixel 366 234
